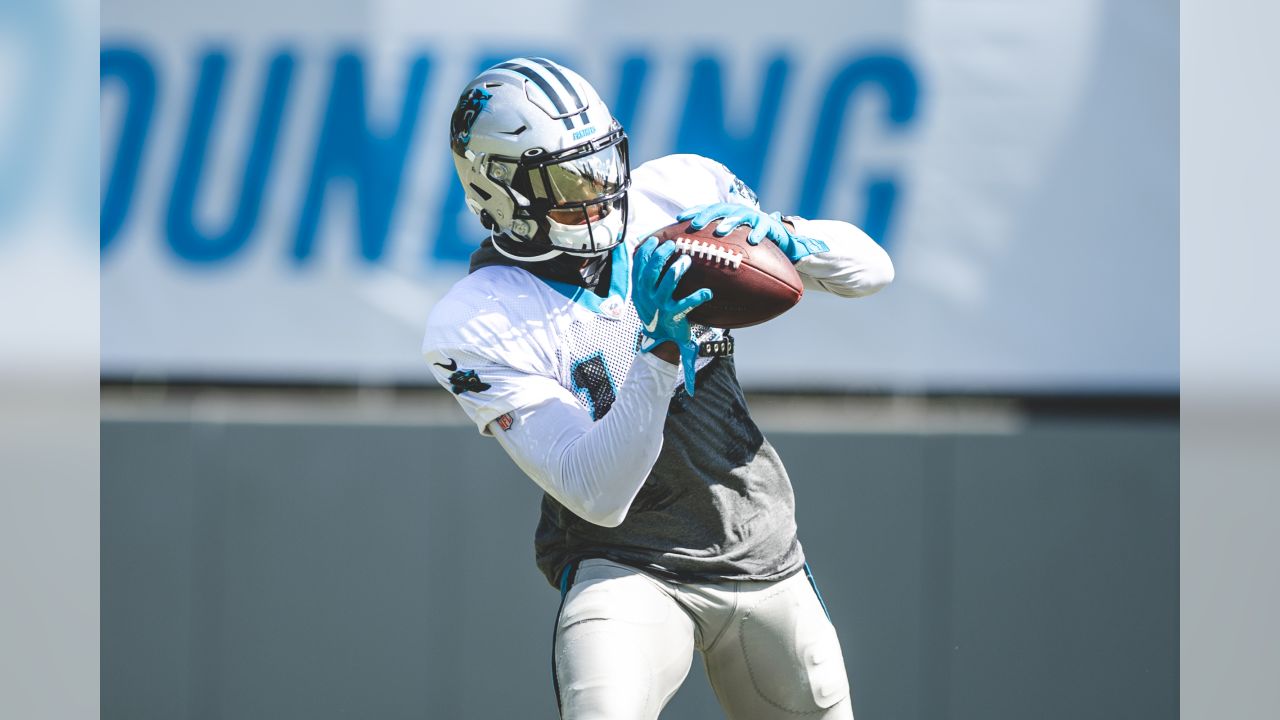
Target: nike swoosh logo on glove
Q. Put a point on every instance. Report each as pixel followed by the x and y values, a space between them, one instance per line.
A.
pixel 652 324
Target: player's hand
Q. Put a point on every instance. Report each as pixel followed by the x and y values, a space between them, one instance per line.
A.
pixel 732 215
pixel 662 316
pixel 762 225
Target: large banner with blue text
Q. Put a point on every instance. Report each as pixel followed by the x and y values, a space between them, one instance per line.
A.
pixel 278 202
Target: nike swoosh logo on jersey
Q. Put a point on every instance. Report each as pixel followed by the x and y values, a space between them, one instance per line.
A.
pixel 652 324
pixel 453 365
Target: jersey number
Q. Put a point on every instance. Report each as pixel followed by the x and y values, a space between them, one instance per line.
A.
pixel 592 376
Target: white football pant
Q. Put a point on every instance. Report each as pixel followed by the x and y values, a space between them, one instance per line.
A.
pixel 625 639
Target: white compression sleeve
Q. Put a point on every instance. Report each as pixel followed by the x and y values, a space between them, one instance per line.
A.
pixel 595 468
pixel 854 265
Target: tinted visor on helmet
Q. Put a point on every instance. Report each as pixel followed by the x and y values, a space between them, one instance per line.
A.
pixel 584 179
pixel 592 174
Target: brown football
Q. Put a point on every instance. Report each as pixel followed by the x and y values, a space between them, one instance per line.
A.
pixel 751 283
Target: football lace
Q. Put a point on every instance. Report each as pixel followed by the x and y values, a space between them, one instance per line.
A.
pixel 709 252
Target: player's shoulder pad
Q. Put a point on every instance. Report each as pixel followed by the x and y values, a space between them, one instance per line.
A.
pixel 475 311
pixel 692 180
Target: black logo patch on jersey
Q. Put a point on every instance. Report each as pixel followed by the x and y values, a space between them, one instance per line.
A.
pixel 466 380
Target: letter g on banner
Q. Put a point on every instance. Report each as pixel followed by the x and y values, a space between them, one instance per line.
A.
pixel 896 79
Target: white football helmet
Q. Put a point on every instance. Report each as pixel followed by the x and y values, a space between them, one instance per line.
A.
pixel 541 160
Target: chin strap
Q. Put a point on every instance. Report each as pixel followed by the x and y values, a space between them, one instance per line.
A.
pixel 493 239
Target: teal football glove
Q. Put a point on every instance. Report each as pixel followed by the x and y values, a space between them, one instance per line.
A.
pixel 762 225
pixel 664 317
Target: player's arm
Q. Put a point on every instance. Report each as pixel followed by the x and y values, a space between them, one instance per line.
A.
pixel 594 468
pixel 830 255
pixel 841 259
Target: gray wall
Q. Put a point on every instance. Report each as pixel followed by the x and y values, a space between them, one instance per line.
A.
pixel 281 571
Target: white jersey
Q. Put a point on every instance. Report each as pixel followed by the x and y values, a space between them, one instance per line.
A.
pixel 515 332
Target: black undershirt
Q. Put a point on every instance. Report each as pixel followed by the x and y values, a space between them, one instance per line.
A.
pixel 562 268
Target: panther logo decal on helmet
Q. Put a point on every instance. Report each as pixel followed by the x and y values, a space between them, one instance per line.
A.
pixel 470 105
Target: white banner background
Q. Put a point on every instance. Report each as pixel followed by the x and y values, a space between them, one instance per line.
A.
pixel 1033 169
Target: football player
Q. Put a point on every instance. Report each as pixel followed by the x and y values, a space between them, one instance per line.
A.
pixel 668 520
